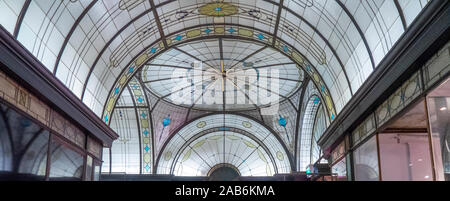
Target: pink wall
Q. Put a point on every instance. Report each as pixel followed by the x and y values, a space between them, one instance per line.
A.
pixel 407 159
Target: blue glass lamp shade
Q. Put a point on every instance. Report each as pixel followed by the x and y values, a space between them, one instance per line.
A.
pixel 282 121
pixel 166 121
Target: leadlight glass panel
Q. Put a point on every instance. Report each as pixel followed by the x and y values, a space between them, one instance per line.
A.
pixel 218 122
pixel 66 164
pixel 23 144
pixel 365 160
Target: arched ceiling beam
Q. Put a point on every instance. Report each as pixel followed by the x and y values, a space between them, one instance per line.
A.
pixel 170 66
pixel 400 13
pixel 221 48
pixel 158 22
pixel 69 35
pixel 277 22
pixel 299 121
pixel 223 93
pixel 22 13
pixel 358 28
pixel 223 78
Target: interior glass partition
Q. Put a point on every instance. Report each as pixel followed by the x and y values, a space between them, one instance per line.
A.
pixel 97 170
pixel 366 161
pixel 340 169
pixel 66 164
pixel 23 146
pixel 438 102
pixel 404 146
pixel 88 171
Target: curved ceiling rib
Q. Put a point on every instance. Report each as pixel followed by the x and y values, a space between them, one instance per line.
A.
pixel 138 128
pixel 400 12
pixel 277 22
pixel 20 18
pixel 300 121
pixel 158 22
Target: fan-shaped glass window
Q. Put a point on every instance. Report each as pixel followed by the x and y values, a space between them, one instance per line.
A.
pixel 366 161
pixel 224 172
pixel 202 154
pixel 224 139
pixel 66 164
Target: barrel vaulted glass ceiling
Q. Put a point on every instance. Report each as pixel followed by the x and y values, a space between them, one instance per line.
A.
pixel 117 56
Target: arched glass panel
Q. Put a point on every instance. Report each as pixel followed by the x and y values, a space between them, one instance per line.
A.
pixel 238 149
pixel 318 130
